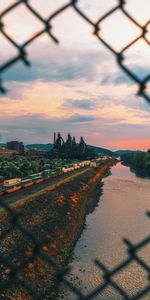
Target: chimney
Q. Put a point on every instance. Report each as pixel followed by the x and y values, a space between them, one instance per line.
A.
pixel 54 138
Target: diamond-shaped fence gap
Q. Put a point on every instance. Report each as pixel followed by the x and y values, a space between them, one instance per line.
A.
pixel 5 4
pixel 10 51
pixel 48 8
pixel 77 35
pixel 109 293
pixel 139 10
pixel 95 9
pixel 137 59
pixel 132 278
pixel 85 277
pixel 118 31
pixel 20 24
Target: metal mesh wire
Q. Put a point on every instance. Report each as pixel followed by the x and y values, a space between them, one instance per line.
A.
pixel 109 279
pixel 14 223
pixel 47 28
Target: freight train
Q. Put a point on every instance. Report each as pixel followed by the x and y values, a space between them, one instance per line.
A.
pixel 15 184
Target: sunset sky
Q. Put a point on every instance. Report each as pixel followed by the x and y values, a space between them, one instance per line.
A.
pixel 75 86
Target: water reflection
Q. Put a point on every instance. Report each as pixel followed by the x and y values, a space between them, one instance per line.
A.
pixel 120 213
pixel 122 171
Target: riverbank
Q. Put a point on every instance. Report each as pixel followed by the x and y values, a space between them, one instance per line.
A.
pixel 139 163
pixel 54 220
pixel 120 213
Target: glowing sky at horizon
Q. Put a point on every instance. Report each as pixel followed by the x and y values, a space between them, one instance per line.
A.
pixel 76 86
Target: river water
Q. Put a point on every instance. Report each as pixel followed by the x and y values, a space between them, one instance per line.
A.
pixel 119 214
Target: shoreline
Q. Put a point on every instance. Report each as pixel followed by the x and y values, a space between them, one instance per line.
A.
pixel 57 221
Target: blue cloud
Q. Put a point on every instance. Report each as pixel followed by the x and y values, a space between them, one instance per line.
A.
pixel 85 104
pixel 116 79
pixel 70 67
pixel 81 119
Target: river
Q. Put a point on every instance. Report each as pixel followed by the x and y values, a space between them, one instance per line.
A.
pixel 119 214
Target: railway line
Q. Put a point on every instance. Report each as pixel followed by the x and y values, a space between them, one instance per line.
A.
pixel 30 191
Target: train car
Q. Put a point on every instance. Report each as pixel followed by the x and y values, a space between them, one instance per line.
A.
pixel 12 188
pixel 54 173
pixel 58 170
pixel 37 179
pixel 26 182
pixel 35 175
pixel 47 174
pixel 11 181
pixel 93 164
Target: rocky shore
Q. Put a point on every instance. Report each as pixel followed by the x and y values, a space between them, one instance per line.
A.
pixel 36 241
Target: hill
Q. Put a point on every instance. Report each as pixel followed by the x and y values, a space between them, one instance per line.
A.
pixel 100 150
pixel 48 147
pixel 42 147
pixel 120 152
pixel 2 145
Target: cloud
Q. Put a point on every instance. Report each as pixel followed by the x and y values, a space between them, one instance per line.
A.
pixel 81 119
pixel 101 131
pixel 76 86
pixel 85 104
pixel 58 64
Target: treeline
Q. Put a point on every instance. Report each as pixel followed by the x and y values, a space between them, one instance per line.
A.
pixel 22 166
pixel 139 162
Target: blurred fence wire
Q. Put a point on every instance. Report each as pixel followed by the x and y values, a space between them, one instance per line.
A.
pixel 48 28
pixel 11 271
pixel 7 266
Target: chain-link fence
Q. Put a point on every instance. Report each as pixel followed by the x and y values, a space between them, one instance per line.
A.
pixel 24 255
pixel 10 270
pixel 13 276
pixel 47 28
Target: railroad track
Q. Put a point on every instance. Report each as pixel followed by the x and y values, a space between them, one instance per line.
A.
pixel 26 193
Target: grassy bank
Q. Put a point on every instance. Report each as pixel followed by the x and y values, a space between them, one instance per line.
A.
pixel 139 163
pixel 53 220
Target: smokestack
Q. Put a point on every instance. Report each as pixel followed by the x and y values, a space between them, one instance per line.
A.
pixel 54 138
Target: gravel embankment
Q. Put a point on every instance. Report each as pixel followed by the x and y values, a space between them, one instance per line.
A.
pixel 54 220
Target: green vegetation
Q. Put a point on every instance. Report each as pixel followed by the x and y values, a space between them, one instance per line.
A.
pixel 48 147
pixel 41 147
pixel 139 163
pixel 102 151
pixel 25 166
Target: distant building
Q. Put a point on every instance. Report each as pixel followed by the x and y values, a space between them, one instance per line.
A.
pixel 8 153
pixel 34 152
pixel 17 146
pixel 70 149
